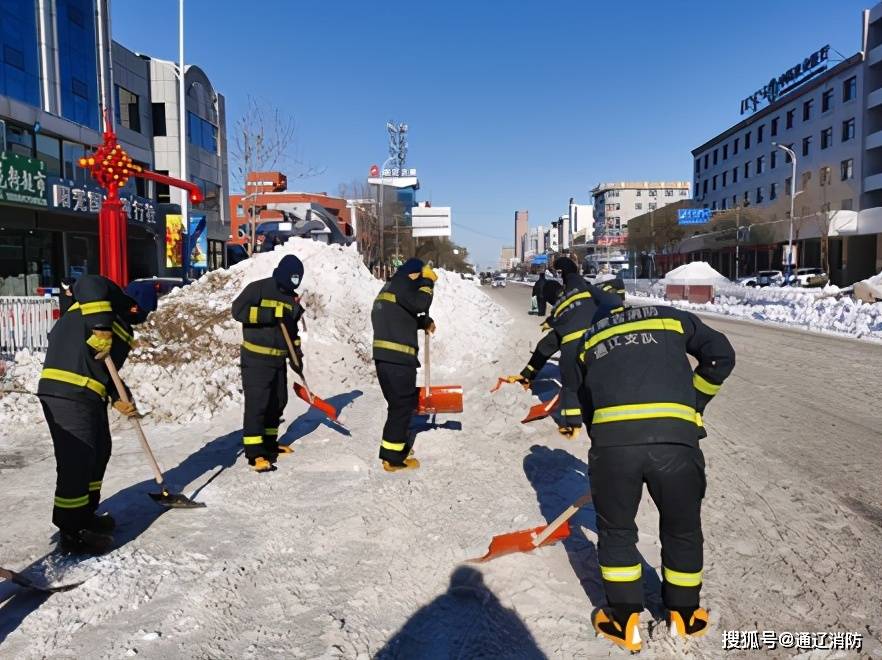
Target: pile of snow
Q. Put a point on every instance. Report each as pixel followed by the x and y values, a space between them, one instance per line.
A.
pixel 697 273
pixel 869 290
pixel 188 364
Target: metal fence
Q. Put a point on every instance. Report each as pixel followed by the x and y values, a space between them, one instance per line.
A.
pixel 25 322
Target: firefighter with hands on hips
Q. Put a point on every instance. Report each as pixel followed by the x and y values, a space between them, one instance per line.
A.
pixel 400 310
pixel 261 308
pixel 74 389
pixel 574 307
pixel 643 404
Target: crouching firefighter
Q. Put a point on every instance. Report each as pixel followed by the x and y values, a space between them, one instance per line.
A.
pixel 575 305
pixel 74 389
pixel 643 406
pixel 399 312
pixel 262 308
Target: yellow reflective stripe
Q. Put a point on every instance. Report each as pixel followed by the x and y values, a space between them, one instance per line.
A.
pixel 252 440
pixel 297 342
pixel 621 573
pixel 94 485
pixel 571 411
pixel 530 368
pixel 252 314
pixel 426 289
pixel 394 346
pixel 271 431
pixel 388 297
pixel 263 350
pixel 645 411
pixel 698 420
pixel 634 326
pixel 96 307
pixel 573 336
pixel 73 307
pixel 704 386
pixel 392 446
pixel 566 303
pixel 617 310
pixel 275 304
pixel 100 343
pixel 71 502
pixel 74 379
pixel 121 332
pixel 682 579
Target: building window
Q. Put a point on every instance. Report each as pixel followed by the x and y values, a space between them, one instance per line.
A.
pixel 806 177
pixel 695 194
pixel 824 179
pixel 49 151
pixel 788 122
pixel 714 205
pixel 846 169
pixel 773 190
pixel 725 151
pixel 827 100
pixel 714 183
pixel 71 152
pixel 806 145
pixel 639 193
pixel 203 133
pixel 787 157
pixel 163 195
pixel 669 192
pixel 735 147
pixel 827 138
pixel 747 140
pixel 774 127
pixel 20 140
pixel 157 110
pixel 773 159
pixel 846 204
pixel 759 133
pixel 759 195
pixel 697 168
pixel 19 61
pixel 760 163
pixel 716 154
pixel 723 204
pixel 848 129
pixel 747 170
pixel 78 64
pixel 653 193
pixel 638 206
pixel 684 192
pixel 746 197
pixel 653 205
pixel 849 89
pixel 704 189
pixel 706 157
pixel 734 201
pixel 787 185
pixel 807 109
pixel 725 176
pixel 128 111
pixel 734 175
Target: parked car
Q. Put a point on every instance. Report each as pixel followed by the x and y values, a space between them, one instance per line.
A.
pixel 499 280
pixel 486 278
pixel 769 278
pixel 148 290
pixel 747 280
pixel 810 277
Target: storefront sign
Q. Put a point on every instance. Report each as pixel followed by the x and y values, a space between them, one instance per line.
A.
pixel 22 180
pixel 810 67
pixel 174 241
pixel 395 171
pixel 74 197
pixel 693 216
pixel 198 242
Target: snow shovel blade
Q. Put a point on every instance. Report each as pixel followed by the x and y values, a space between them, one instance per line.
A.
pixel 541 410
pixel 441 399
pixel 27 583
pixel 175 500
pixel 326 408
pixel 522 541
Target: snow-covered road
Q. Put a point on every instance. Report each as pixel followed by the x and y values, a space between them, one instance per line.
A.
pixel 331 557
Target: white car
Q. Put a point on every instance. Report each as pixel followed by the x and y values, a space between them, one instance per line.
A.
pixel 810 277
pixel 499 280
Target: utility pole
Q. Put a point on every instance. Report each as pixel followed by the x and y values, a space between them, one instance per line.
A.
pixel 789 264
pixel 182 130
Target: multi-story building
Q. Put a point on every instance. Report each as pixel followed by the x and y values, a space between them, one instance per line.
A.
pixel 616 203
pixel 581 222
pixel 506 258
pixel 521 221
pixel 535 242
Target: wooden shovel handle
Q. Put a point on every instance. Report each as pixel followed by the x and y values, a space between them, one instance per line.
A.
pixel 428 362
pixel 121 391
pixel 561 519
pixel 294 359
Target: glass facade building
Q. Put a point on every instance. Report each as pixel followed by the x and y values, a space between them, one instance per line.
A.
pixel 78 61
pixel 19 51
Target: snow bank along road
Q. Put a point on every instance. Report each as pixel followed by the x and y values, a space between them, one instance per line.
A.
pixel 331 557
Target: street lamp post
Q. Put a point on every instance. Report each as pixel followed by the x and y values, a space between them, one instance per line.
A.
pixel 792 155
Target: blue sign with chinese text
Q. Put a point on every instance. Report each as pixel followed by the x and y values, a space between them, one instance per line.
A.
pixel 693 216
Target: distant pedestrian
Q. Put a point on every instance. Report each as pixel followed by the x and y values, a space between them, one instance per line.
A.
pixel 539 294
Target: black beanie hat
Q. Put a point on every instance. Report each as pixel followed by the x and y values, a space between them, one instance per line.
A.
pixel 411 266
pixel 288 273
pixel 565 265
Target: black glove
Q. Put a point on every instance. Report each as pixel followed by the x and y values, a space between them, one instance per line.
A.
pixel 426 323
pixel 702 433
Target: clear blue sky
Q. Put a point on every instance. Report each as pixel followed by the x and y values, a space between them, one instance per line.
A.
pixel 515 105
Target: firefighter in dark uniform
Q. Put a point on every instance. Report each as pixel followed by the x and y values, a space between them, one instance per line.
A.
pixel 643 406
pixel 261 307
pixel 574 310
pixel 539 294
pixel 400 310
pixel 74 389
pixel 616 285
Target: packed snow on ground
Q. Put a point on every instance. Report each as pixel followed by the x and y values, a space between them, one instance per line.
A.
pixel 187 367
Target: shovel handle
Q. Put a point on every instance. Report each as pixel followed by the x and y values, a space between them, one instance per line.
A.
pixel 561 519
pixel 294 359
pixel 121 391
pixel 428 363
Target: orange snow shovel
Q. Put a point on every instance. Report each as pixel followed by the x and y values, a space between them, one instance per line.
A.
pixel 303 390
pixel 528 540
pixel 165 497
pixel 541 410
pixel 440 398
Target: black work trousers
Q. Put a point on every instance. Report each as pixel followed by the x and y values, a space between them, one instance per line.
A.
pixel 674 475
pixel 81 438
pixel 540 305
pixel 265 385
pixel 398 382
